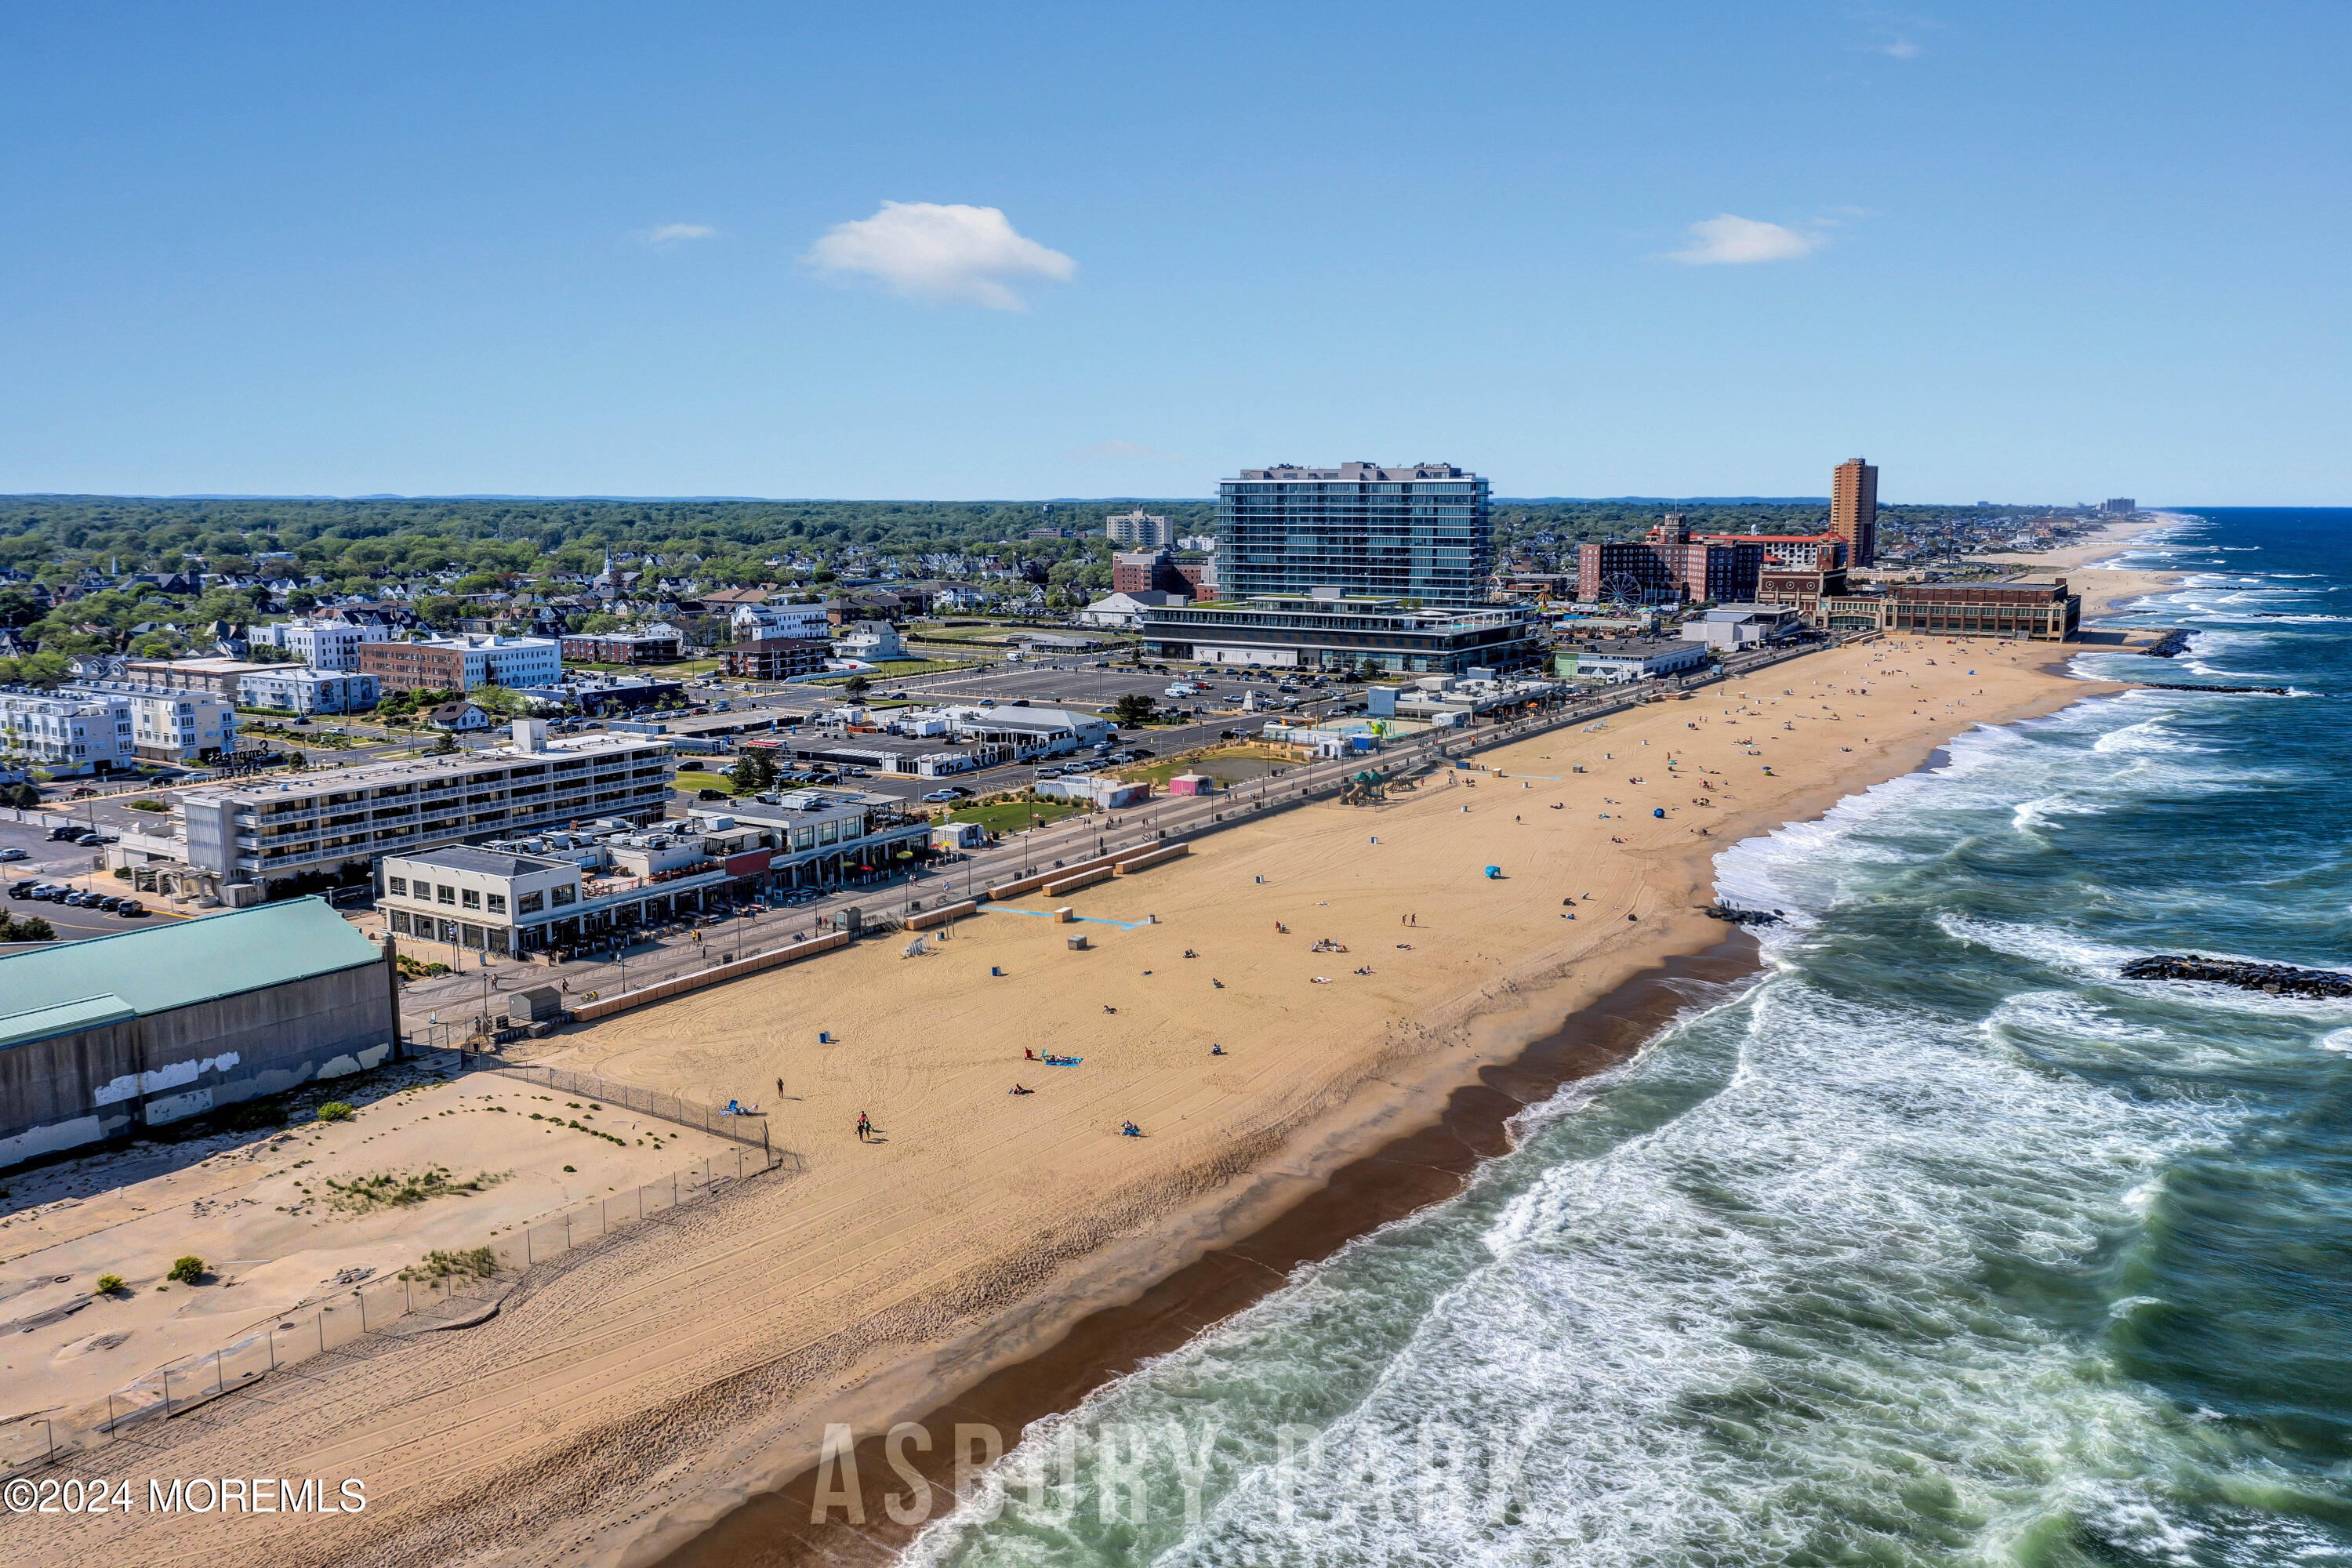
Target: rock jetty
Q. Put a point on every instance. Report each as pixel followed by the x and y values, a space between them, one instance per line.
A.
pixel 2276 979
pixel 1739 917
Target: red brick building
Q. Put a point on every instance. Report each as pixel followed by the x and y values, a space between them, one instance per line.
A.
pixel 1668 566
pixel 777 659
pixel 413 667
pixel 623 647
pixel 1156 571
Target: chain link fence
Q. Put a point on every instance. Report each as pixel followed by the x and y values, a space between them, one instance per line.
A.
pixel 736 1126
pixel 363 1317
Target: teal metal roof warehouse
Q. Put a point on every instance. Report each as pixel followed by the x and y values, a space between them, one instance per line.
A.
pixel 98 1038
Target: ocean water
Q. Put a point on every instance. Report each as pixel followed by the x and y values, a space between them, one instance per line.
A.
pixel 1936 1244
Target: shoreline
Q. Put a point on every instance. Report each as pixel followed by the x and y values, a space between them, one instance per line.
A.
pixel 692 1369
pixel 2105 590
pixel 1411 1172
pixel 1458 1124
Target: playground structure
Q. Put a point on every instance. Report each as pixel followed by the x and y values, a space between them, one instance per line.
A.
pixel 1366 788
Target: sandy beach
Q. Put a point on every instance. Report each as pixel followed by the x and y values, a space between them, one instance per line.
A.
pixel 2105 589
pixel 623 1403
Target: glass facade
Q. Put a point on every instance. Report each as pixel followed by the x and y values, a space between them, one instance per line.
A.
pixel 1417 533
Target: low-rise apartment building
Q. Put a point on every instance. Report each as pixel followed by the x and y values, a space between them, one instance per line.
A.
pixel 462 662
pixel 67 733
pixel 652 646
pixel 327 820
pixel 221 677
pixel 320 644
pixel 778 659
pixel 297 688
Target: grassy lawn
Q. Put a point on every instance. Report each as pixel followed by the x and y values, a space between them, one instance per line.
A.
pixel 691 779
pixel 1159 773
pixel 1014 815
pixel 895 669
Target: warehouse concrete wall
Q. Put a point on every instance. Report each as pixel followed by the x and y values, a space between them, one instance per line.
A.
pixel 104 1082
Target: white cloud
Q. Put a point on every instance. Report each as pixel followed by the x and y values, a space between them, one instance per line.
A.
pixel 1733 241
pixel 940 254
pixel 670 234
pixel 1901 49
pixel 1125 449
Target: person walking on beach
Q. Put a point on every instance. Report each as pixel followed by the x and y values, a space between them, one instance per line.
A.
pixel 864 1127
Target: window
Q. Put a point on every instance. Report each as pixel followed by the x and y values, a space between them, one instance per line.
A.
pixel 561 896
pixel 530 903
pixel 398 885
pixel 448 894
pixel 400 922
pixel 471 899
pixel 497 903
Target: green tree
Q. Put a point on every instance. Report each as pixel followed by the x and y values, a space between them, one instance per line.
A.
pixel 754 770
pixel 856 685
pixel 1132 710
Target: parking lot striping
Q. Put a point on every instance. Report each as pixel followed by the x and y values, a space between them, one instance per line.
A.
pixel 1048 914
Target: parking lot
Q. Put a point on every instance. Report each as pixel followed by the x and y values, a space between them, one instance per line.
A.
pixel 53 861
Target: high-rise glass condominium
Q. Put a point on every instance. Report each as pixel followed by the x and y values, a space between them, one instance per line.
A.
pixel 1416 531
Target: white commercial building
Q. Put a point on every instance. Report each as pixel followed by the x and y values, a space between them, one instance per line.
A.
pixel 1625 659
pixel 320 644
pixel 1127 609
pixel 291 689
pixel 1743 625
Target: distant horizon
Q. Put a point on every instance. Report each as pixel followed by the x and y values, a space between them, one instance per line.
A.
pixel 1014 500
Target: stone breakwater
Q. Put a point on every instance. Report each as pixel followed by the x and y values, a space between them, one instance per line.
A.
pixel 2277 979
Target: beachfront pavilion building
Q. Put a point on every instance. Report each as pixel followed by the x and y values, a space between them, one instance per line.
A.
pixel 1632 659
pixel 1331 630
pixel 1411 532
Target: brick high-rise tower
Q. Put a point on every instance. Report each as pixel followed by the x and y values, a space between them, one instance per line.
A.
pixel 1854 511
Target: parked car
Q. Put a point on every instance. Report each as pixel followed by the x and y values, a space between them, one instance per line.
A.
pixel 939 795
pixel 70 830
pixel 12 853
pixel 23 890
pixel 1049 772
pixel 132 910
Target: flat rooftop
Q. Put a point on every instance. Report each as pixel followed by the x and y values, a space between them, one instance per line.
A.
pixel 328 780
pixel 488 862
pixel 174 964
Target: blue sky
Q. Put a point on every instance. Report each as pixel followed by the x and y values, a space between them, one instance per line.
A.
pixel 2007 251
